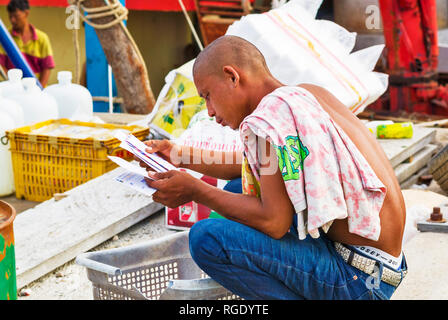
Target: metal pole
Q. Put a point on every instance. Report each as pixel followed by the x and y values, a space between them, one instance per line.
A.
pixel 111 95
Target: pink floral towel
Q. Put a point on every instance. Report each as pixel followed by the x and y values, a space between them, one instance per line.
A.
pixel 326 176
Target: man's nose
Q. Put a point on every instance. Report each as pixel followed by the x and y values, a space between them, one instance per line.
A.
pixel 211 112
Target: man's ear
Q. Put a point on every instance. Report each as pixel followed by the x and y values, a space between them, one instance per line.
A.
pixel 27 13
pixel 232 74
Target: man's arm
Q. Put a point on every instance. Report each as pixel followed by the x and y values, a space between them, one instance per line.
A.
pixel 221 165
pixel 218 164
pixel 47 62
pixel 271 213
pixel 44 77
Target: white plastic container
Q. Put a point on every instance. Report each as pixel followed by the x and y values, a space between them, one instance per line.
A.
pixel 6 172
pixel 13 85
pixel 13 109
pixel 74 101
pixel 37 105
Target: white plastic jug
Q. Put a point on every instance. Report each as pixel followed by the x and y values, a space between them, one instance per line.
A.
pixel 37 105
pixel 13 85
pixel 13 109
pixel 74 101
pixel 6 173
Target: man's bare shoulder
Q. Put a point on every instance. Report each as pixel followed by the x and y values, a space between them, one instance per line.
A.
pixel 322 94
pixel 392 214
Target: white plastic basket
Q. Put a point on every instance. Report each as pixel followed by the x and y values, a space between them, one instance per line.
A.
pixel 160 269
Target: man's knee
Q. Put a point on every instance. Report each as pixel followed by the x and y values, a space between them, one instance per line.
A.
pixel 203 239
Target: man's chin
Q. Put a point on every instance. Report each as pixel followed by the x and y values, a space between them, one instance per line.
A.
pixel 225 124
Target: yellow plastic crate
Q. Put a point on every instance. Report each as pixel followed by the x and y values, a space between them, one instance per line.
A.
pixel 44 164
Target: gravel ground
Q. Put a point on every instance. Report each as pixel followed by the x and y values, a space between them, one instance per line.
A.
pixel 69 282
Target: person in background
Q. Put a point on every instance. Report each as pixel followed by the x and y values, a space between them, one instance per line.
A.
pixel 32 42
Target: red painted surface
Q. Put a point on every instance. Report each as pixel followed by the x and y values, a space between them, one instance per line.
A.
pixel 410 32
pixel 151 5
pixel 183 217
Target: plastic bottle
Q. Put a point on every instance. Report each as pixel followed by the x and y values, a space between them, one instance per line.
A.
pixel 13 85
pixel 37 105
pixel 74 101
pixel 404 130
pixel 373 125
pixel 6 172
pixel 13 109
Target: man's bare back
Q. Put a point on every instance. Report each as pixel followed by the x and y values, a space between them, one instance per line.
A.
pixel 393 213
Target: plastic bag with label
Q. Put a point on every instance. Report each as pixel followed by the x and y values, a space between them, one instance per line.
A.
pixel 177 103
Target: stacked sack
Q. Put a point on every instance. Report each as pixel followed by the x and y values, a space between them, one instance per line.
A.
pixel 298 48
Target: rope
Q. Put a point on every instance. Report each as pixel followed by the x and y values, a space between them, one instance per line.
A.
pixel 112 8
pixel 77 55
pixel 190 24
pixel 106 99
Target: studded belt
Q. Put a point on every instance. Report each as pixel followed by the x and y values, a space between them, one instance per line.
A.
pixel 368 265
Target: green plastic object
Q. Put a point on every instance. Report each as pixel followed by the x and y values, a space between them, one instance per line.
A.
pixel 8 281
pixel 215 215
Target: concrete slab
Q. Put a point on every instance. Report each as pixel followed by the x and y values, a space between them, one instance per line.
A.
pixel 54 232
pixel 398 150
pixel 405 170
pixel 426 226
pixel 409 182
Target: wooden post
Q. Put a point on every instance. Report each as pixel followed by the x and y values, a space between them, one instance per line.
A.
pixel 130 73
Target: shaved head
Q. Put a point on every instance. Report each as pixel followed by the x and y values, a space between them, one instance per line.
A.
pixel 232 76
pixel 233 51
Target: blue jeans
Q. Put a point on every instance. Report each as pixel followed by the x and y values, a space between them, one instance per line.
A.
pixel 234 186
pixel 255 266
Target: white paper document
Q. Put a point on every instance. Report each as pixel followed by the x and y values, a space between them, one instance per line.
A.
pixel 136 182
pixel 129 166
pixel 137 148
pixel 134 177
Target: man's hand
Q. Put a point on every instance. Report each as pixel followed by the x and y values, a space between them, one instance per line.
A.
pixel 164 148
pixel 175 188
